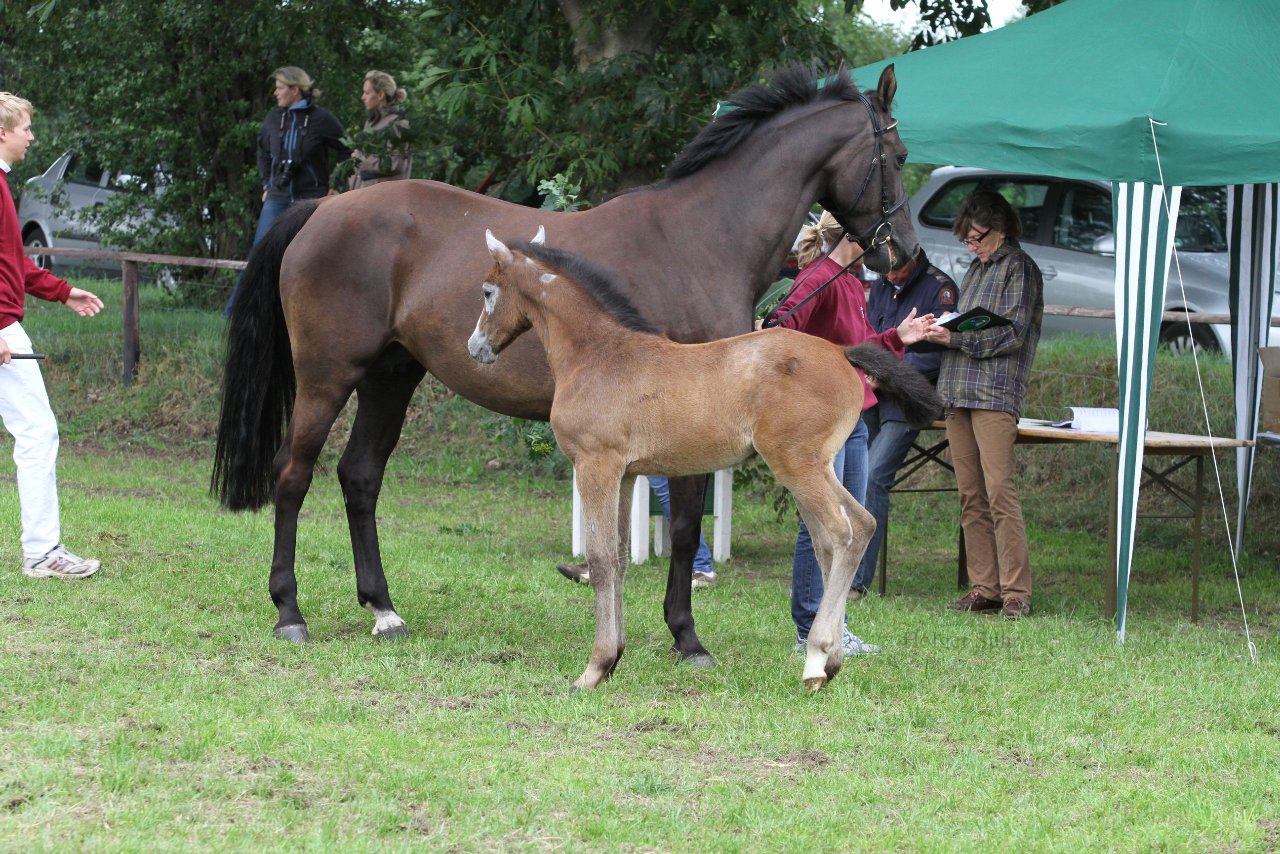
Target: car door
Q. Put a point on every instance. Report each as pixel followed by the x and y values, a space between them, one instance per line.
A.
pixel 1071 257
pixel 84 186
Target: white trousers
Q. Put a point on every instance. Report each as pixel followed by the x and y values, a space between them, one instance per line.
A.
pixel 24 408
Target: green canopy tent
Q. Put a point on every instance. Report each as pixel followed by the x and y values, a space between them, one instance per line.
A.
pixel 1152 95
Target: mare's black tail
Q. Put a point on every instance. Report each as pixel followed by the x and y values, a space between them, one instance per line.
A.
pixel 258 384
pixel 898 382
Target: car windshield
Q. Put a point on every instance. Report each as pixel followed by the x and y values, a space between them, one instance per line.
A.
pixel 1202 220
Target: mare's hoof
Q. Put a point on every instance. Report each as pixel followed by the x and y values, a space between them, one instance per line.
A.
pixel 394 633
pixel 293 634
pixel 701 660
pixel 815 683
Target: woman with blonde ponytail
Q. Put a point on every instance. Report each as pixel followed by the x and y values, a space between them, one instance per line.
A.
pixel 831 302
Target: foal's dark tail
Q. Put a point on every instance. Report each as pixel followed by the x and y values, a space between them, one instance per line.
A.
pixel 898 382
pixel 258 384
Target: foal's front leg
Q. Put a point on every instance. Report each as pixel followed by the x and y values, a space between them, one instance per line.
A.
pixel 600 484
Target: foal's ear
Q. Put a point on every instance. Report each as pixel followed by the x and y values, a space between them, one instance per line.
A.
pixel 887 89
pixel 541 237
pixel 498 249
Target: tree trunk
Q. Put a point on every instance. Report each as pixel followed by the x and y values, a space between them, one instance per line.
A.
pixel 595 39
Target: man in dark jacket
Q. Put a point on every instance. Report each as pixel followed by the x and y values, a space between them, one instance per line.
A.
pixel 928 290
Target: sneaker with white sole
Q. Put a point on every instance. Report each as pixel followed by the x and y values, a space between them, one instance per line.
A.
pixel 59 563
pixel 704 579
pixel 853 645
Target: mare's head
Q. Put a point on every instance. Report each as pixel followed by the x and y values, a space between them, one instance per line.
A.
pixel 839 143
pixel 505 316
pixel 866 194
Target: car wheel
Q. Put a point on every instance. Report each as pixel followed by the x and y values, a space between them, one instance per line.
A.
pixel 35 237
pixel 1180 339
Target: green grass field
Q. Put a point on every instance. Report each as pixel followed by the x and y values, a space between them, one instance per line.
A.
pixel 149 708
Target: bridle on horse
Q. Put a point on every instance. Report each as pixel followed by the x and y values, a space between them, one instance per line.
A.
pixel 879 234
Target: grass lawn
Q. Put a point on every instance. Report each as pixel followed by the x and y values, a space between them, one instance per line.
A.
pixel 149 708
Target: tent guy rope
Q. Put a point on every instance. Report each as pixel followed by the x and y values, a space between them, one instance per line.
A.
pixel 1204 406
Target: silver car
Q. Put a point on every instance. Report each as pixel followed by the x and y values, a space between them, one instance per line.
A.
pixel 1068 229
pixel 52 209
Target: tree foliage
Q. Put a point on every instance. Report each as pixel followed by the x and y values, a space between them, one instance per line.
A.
pixel 502 94
pixel 180 87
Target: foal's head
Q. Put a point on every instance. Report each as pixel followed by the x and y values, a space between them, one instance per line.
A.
pixel 504 317
pixel 522 278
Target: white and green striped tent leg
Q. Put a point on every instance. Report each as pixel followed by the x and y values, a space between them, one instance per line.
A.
pixel 1252 237
pixel 1145 220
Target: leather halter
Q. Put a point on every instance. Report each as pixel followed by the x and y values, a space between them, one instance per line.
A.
pixel 882 232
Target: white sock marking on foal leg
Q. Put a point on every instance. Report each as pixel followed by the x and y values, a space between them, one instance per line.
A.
pixel 384 620
pixel 844 514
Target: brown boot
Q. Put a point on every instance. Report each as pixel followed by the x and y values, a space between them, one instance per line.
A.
pixel 975 602
pixel 1015 609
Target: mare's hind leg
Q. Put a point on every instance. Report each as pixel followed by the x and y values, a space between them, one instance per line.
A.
pixel 599 482
pixel 687 497
pixel 382 399
pixel 313 415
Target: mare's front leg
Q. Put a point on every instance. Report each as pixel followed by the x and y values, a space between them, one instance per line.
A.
pixel 599 482
pixel 688 495
pixel 383 398
pixel 313 416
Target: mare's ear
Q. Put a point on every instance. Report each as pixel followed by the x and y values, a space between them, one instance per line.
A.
pixel 541 237
pixel 498 249
pixel 887 89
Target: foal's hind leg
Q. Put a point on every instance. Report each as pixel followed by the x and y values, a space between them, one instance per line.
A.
pixel 383 397
pixel 841 529
pixel 687 496
pixel 313 415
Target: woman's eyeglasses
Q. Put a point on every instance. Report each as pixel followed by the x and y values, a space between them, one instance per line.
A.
pixel 972 242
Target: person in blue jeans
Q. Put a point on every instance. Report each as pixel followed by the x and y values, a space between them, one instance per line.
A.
pixel 294 145
pixel 922 287
pixel 704 573
pixel 830 302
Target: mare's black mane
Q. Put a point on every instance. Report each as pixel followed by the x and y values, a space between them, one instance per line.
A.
pixel 598 281
pixel 792 86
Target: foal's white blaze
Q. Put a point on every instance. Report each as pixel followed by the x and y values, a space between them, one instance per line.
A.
pixel 547 278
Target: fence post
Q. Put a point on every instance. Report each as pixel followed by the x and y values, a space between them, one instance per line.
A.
pixel 129 276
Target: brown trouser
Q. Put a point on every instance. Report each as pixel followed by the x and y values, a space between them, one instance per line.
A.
pixel 995 537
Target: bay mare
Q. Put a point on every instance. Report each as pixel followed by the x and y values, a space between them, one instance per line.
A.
pixel 629 401
pixel 369 291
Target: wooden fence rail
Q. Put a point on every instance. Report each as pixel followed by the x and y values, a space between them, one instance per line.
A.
pixel 129 262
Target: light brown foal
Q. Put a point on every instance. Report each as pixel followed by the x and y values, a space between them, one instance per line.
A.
pixel 629 401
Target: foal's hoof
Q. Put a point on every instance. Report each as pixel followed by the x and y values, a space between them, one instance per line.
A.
pixel 701 660
pixel 814 684
pixel 293 634
pixel 392 633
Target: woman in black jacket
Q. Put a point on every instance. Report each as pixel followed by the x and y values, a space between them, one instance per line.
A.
pixel 293 149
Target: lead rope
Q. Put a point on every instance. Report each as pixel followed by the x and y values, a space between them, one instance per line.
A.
pixel 1204 405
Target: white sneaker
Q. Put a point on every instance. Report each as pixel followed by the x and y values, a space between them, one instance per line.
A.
pixel 704 579
pixel 852 644
pixel 59 563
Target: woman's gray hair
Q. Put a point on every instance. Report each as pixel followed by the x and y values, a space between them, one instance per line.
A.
pixel 292 75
